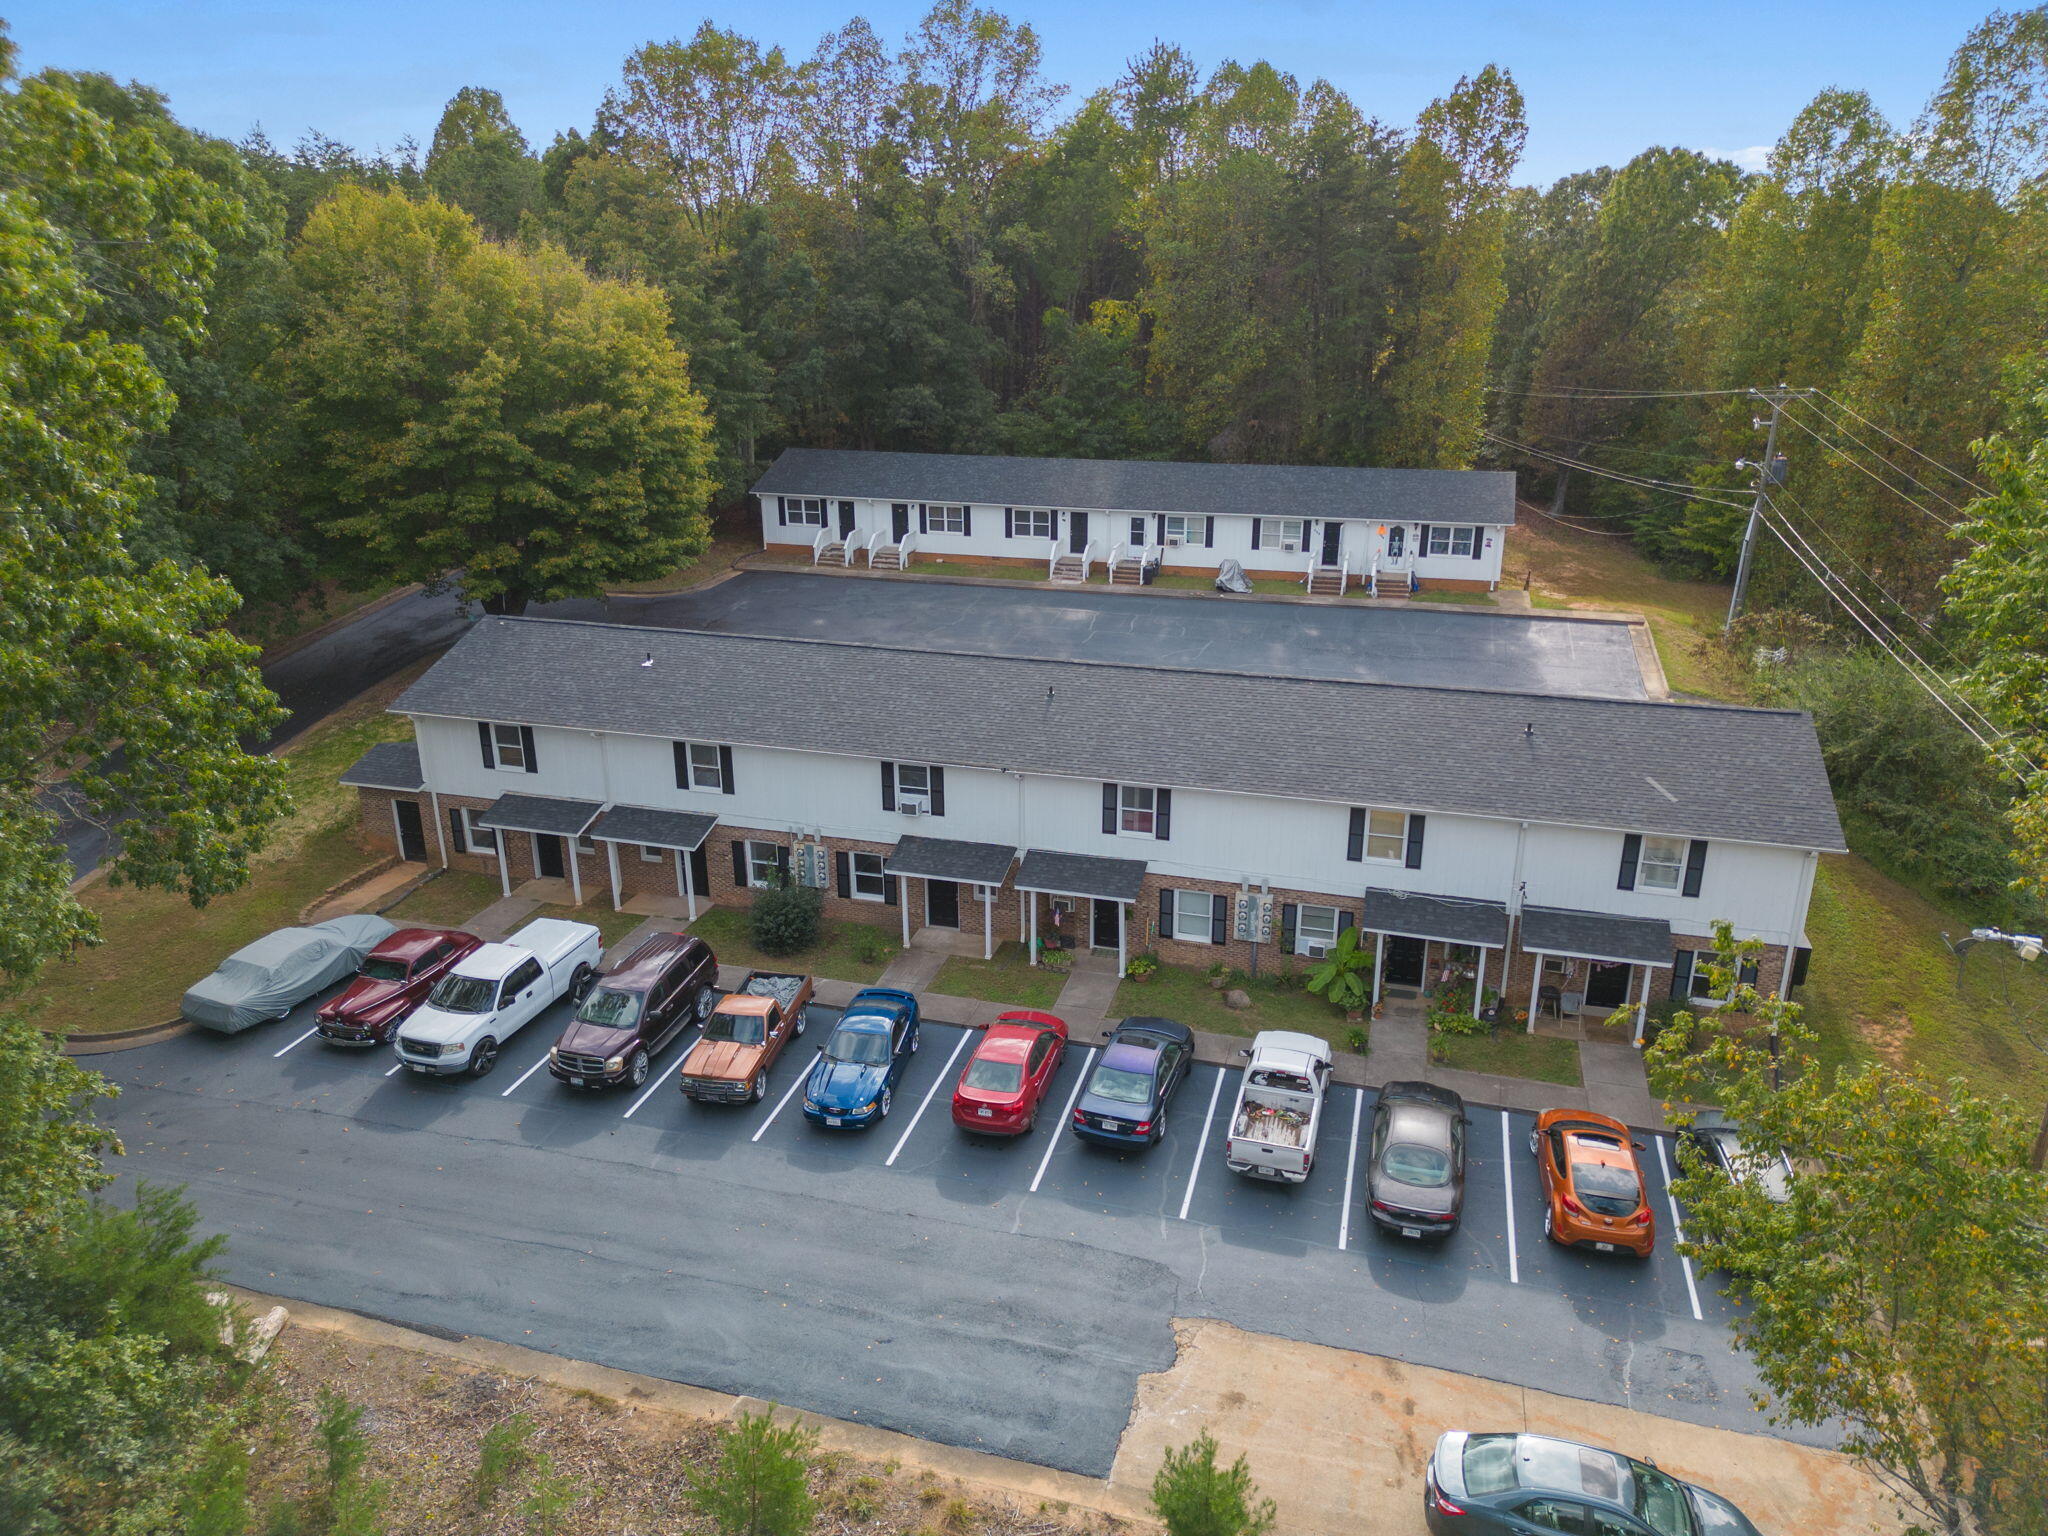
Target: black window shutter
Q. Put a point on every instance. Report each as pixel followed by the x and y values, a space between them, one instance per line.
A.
pixel 967 520
pixel 1109 807
pixel 782 511
pixel 1255 531
pixel 1162 824
pixel 1415 820
pixel 725 770
pixel 1346 919
pixel 889 896
pixel 1695 866
pixel 888 786
pixel 526 745
pixel 1287 915
pixel 1219 919
pixel 1208 533
pixel 1165 913
pixel 1681 975
pixel 938 790
pixel 782 862
pixel 681 749
pixel 842 866
pixel 924 517
pixel 739 862
pixel 1800 956
pixel 483 736
pixel 1009 522
pixel 1631 855
pixel 1354 848
pixel 1162 528
pixel 1748 974
pixel 1478 542
pixel 1422 540
pixel 457 842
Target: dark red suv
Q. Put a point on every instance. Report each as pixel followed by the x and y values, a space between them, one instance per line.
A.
pixel 393 979
pixel 635 1010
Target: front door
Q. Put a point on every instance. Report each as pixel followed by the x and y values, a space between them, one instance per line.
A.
pixel 1105 936
pixel 899 521
pixel 547 857
pixel 412 833
pixel 1077 532
pixel 1403 965
pixel 1607 987
pixel 1397 542
pixel 846 519
pixel 1333 541
pixel 942 903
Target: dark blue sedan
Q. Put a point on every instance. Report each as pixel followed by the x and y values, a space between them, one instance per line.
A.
pixel 856 1074
pixel 1124 1102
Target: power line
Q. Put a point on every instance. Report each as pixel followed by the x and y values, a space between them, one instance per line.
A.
pixel 1904 474
pixel 1850 460
pixel 1879 426
pixel 1611 394
pixel 1589 443
pixel 1645 482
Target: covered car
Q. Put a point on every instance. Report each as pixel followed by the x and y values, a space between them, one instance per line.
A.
pixel 267 979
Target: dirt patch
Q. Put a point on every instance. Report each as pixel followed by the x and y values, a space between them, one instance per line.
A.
pixel 1891 1038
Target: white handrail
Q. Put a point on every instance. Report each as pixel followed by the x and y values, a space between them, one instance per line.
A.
pixel 1088 558
pixel 903 549
pixel 1052 559
pixel 1308 579
pixel 864 542
pixel 1116 555
pixel 818 544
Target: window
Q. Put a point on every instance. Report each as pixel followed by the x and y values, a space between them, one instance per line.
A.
pixel 945 519
pixel 764 865
pixel 1186 530
pixel 1386 835
pixel 700 765
pixel 913 782
pixel 1450 541
pixel 1700 988
pixel 1283 533
pixel 585 843
pixel 869 881
pixel 508 746
pixel 1031 523
pixel 1194 915
pixel 1662 865
pixel 1137 810
pixel 1315 930
pixel 649 854
pixel 480 838
pixel 1558 1515
pixel 808 511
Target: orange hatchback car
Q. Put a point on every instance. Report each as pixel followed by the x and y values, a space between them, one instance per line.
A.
pixel 1593 1195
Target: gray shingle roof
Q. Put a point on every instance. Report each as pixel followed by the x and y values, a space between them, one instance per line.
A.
pixel 1147 485
pixel 1596 935
pixel 942 858
pixel 388 765
pixel 1436 917
pixel 655 829
pixel 538 813
pixel 1691 770
pixel 1079 874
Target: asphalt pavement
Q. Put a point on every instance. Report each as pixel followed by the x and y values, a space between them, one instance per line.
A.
pixel 1003 1296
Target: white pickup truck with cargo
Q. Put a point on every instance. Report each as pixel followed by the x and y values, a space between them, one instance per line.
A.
pixel 1279 1107
pixel 494 992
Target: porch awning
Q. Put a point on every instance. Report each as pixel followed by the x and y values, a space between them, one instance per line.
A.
pixel 1080 875
pixel 388 765
pixel 537 813
pixel 1409 915
pixel 651 828
pixel 1596 936
pixel 940 858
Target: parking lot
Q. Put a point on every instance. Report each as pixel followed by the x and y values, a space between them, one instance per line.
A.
pixel 1000 1295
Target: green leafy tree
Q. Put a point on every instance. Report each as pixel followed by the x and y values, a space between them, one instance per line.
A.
pixel 758 1485
pixel 1195 1497
pixel 479 162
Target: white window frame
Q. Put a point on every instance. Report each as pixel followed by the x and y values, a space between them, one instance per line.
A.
pixel 1182 913
pixel 945 517
pixel 709 775
pixel 475 838
pixel 879 876
pixel 1269 538
pixel 1696 993
pixel 1031 523
pixel 920 792
pixel 1128 807
pixel 1185 528
pixel 1302 940
pixel 1451 539
pixel 649 854
pixel 1677 849
pixel 508 755
pixel 805 511
pixel 755 862
pixel 1377 825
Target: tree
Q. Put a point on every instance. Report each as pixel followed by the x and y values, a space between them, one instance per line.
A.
pixel 758 1485
pixel 490 419
pixel 1901 1292
pixel 1195 1497
pixel 480 163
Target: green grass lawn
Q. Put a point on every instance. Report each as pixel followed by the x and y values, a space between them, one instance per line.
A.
pixel 1477 599
pixel 1512 1053
pixel 836 954
pixel 1266 585
pixel 614 926
pixel 449 900
pixel 1008 978
pixel 1180 992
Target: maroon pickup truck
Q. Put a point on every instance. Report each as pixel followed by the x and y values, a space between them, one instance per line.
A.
pixel 393 979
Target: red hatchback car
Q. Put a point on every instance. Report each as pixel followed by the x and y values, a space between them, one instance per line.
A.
pixel 393 979
pixel 1006 1077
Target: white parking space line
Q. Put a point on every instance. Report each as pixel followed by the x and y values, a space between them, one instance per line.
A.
pixel 300 1041
pixel 524 1076
pixel 1066 1118
pixel 1677 1229
pixel 648 1093
pixel 1507 1170
pixel 801 1078
pixel 944 1073
pixel 1201 1146
pixel 1351 1169
pixel 396 1068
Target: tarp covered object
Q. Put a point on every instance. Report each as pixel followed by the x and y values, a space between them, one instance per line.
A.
pixel 1230 577
pixel 267 979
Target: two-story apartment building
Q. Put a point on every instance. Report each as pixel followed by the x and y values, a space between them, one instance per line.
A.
pixel 1331 529
pixel 1580 844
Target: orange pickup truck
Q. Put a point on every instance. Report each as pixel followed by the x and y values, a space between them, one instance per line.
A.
pixel 730 1062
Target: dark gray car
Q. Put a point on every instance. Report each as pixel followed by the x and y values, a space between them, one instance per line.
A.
pixel 1484 1485
pixel 1415 1172
pixel 1724 1145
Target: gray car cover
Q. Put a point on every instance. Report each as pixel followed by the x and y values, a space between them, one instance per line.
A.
pixel 267 979
pixel 1230 577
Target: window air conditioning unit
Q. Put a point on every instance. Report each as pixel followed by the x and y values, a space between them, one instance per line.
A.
pixel 1173 541
pixel 915 805
pixel 1290 546
pixel 1316 951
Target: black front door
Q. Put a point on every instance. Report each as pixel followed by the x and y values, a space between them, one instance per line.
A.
pixel 1403 965
pixel 547 856
pixel 700 871
pixel 899 521
pixel 1607 987
pixel 942 903
pixel 1333 539
pixel 1077 532
pixel 412 834
pixel 845 519
pixel 1105 925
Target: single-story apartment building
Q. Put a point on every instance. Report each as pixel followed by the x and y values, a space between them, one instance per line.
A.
pixel 1332 529
pixel 1550 846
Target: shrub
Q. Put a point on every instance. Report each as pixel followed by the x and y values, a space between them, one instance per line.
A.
pixel 549 1498
pixel 870 945
pixel 786 919
pixel 1195 1497
pixel 758 1485
pixel 502 1456
pixel 1141 965
pixel 215 1499
pixel 1356 1040
pixel 1341 978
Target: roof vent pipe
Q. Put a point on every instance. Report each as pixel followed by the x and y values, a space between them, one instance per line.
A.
pixel 1529 731
pixel 649 661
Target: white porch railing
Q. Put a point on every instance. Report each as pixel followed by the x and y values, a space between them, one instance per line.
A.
pixel 1088 556
pixel 818 545
pixel 1052 557
pixel 1116 553
pixel 903 549
pixel 864 543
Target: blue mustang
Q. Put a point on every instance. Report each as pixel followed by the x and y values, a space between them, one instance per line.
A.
pixel 856 1074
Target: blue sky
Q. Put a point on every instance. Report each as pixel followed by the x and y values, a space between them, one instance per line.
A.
pixel 1602 80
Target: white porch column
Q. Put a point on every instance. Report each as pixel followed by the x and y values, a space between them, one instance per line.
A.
pixel 1379 960
pixel 441 833
pixel 1479 982
pixel 611 858
pixel 1535 982
pixel 1642 1004
pixel 533 852
pixel 1024 899
pixel 1032 951
pixel 504 870
pixel 903 907
pixel 683 885
pixel 988 922
pixel 575 869
pixel 1122 959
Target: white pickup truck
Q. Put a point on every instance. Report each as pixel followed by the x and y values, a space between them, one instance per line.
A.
pixel 496 990
pixel 1279 1107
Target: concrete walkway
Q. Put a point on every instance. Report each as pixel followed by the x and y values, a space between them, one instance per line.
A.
pixel 502 916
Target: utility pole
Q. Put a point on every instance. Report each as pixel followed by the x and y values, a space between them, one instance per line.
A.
pixel 1764 475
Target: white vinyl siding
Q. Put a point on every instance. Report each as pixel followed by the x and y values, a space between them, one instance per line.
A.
pixel 1662 867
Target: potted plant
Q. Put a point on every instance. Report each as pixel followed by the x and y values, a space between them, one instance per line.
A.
pixel 1141 967
pixel 1341 978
